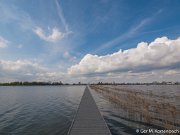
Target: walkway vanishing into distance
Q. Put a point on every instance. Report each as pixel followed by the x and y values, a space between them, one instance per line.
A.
pixel 88 120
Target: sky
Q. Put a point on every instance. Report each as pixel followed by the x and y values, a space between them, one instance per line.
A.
pixel 90 40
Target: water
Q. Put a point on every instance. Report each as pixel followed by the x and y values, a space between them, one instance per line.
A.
pixel 125 121
pixel 38 110
pixel 49 110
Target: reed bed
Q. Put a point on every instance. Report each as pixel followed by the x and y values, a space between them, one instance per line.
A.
pixel 143 107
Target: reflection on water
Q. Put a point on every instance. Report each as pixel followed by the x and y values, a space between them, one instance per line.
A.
pixel 38 110
pixel 127 108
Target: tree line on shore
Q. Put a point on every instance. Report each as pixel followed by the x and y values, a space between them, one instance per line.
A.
pixel 79 83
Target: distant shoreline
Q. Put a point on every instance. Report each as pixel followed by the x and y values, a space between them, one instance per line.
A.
pixel 79 83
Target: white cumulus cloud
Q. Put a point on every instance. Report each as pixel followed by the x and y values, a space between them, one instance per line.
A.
pixel 19 70
pixel 20 66
pixel 27 70
pixel 162 53
pixel 54 36
pixel 3 42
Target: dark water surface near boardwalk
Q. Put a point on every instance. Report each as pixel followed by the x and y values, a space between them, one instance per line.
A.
pixel 38 110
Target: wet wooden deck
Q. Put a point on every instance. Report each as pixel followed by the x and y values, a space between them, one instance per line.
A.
pixel 88 120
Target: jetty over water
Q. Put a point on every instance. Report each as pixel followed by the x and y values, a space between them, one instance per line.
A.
pixel 88 119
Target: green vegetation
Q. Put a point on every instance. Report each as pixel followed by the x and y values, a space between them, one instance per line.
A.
pixel 30 83
pixel 35 83
pixel 151 83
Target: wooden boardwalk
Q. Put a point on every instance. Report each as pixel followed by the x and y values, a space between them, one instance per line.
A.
pixel 88 120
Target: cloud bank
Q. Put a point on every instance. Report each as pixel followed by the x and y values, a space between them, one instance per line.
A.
pixel 161 54
pixel 158 60
pixel 26 70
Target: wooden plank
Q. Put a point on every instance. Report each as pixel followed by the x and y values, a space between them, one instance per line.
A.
pixel 88 120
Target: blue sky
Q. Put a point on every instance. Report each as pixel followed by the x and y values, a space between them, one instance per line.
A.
pixel 55 35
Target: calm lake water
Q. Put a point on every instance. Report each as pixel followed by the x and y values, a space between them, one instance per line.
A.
pixel 38 110
pixel 49 110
